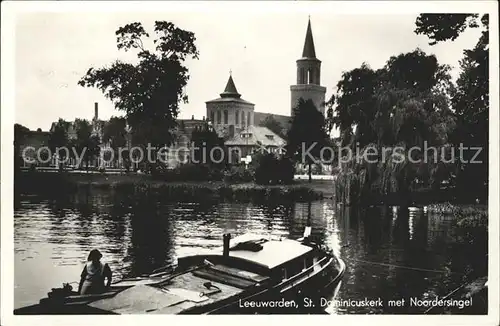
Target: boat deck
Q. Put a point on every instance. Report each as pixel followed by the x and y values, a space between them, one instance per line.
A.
pixel 193 289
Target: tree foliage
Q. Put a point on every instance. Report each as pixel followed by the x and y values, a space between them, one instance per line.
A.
pixel 444 27
pixel 470 100
pixel 58 136
pixel 203 140
pixel 115 132
pixel 273 125
pixel 20 134
pixel 150 90
pixel 307 135
pixel 270 169
pixel 86 143
pixel 403 105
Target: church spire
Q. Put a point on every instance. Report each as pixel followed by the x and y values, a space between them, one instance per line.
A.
pixel 309 51
pixel 230 90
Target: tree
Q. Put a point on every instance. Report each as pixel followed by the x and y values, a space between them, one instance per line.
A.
pixel 404 105
pixel 470 101
pixel 58 138
pixel 270 169
pixel 20 134
pixel 115 132
pixel 203 140
pixel 356 104
pixel 273 125
pixel 307 135
pixel 86 143
pixel 150 90
pixel 444 27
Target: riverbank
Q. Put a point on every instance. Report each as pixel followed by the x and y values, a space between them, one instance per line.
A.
pixel 301 190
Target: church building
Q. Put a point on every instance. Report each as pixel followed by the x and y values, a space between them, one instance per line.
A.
pixel 236 121
pixel 232 117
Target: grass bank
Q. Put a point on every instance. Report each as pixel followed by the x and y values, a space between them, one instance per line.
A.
pixel 140 184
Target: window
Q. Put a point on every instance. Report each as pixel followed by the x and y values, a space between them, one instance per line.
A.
pixel 212 116
pixel 237 118
pixel 249 120
pixel 243 118
pixel 226 117
pixel 270 137
pixel 218 117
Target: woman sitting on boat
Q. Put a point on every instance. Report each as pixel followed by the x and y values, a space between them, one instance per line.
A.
pixel 93 275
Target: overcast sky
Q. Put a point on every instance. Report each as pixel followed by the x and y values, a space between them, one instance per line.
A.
pixel 53 50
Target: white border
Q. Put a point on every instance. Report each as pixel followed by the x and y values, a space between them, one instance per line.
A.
pixel 8 15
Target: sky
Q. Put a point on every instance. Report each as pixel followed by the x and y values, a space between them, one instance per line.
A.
pixel 54 50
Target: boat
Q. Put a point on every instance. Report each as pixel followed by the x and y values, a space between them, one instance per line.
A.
pixel 249 274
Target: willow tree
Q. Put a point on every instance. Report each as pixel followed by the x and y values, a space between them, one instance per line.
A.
pixel 150 89
pixel 382 115
pixel 470 101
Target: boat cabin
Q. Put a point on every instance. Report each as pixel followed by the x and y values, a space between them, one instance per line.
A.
pixel 250 255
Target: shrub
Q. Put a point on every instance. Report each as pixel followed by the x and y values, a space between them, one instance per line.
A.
pixel 317 169
pixel 239 174
pixel 272 170
pixel 192 172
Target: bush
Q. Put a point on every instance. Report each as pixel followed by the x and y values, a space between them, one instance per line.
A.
pixel 192 172
pixel 317 169
pixel 272 170
pixel 239 174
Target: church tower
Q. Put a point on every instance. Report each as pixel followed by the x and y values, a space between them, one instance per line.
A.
pixel 308 76
pixel 230 113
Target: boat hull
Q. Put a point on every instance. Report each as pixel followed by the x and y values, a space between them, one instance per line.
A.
pixel 304 297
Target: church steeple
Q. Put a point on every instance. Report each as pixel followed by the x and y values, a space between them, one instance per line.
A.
pixel 230 90
pixel 308 84
pixel 309 51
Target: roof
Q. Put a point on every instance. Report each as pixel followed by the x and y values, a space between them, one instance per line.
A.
pixel 230 94
pixel 274 252
pixel 257 136
pixel 260 117
pixel 309 51
pixel 229 99
pixel 230 90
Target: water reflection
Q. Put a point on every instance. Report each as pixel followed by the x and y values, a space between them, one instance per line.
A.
pixel 137 235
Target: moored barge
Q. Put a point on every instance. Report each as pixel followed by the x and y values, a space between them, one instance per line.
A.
pixel 249 274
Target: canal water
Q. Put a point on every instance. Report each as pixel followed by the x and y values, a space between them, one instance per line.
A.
pixel 391 253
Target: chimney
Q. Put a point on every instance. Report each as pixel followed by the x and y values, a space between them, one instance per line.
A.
pixel 231 131
pixel 96 111
pixel 203 118
pixel 226 237
pixel 192 117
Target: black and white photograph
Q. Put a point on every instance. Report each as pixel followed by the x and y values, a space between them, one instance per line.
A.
pixel 250 158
